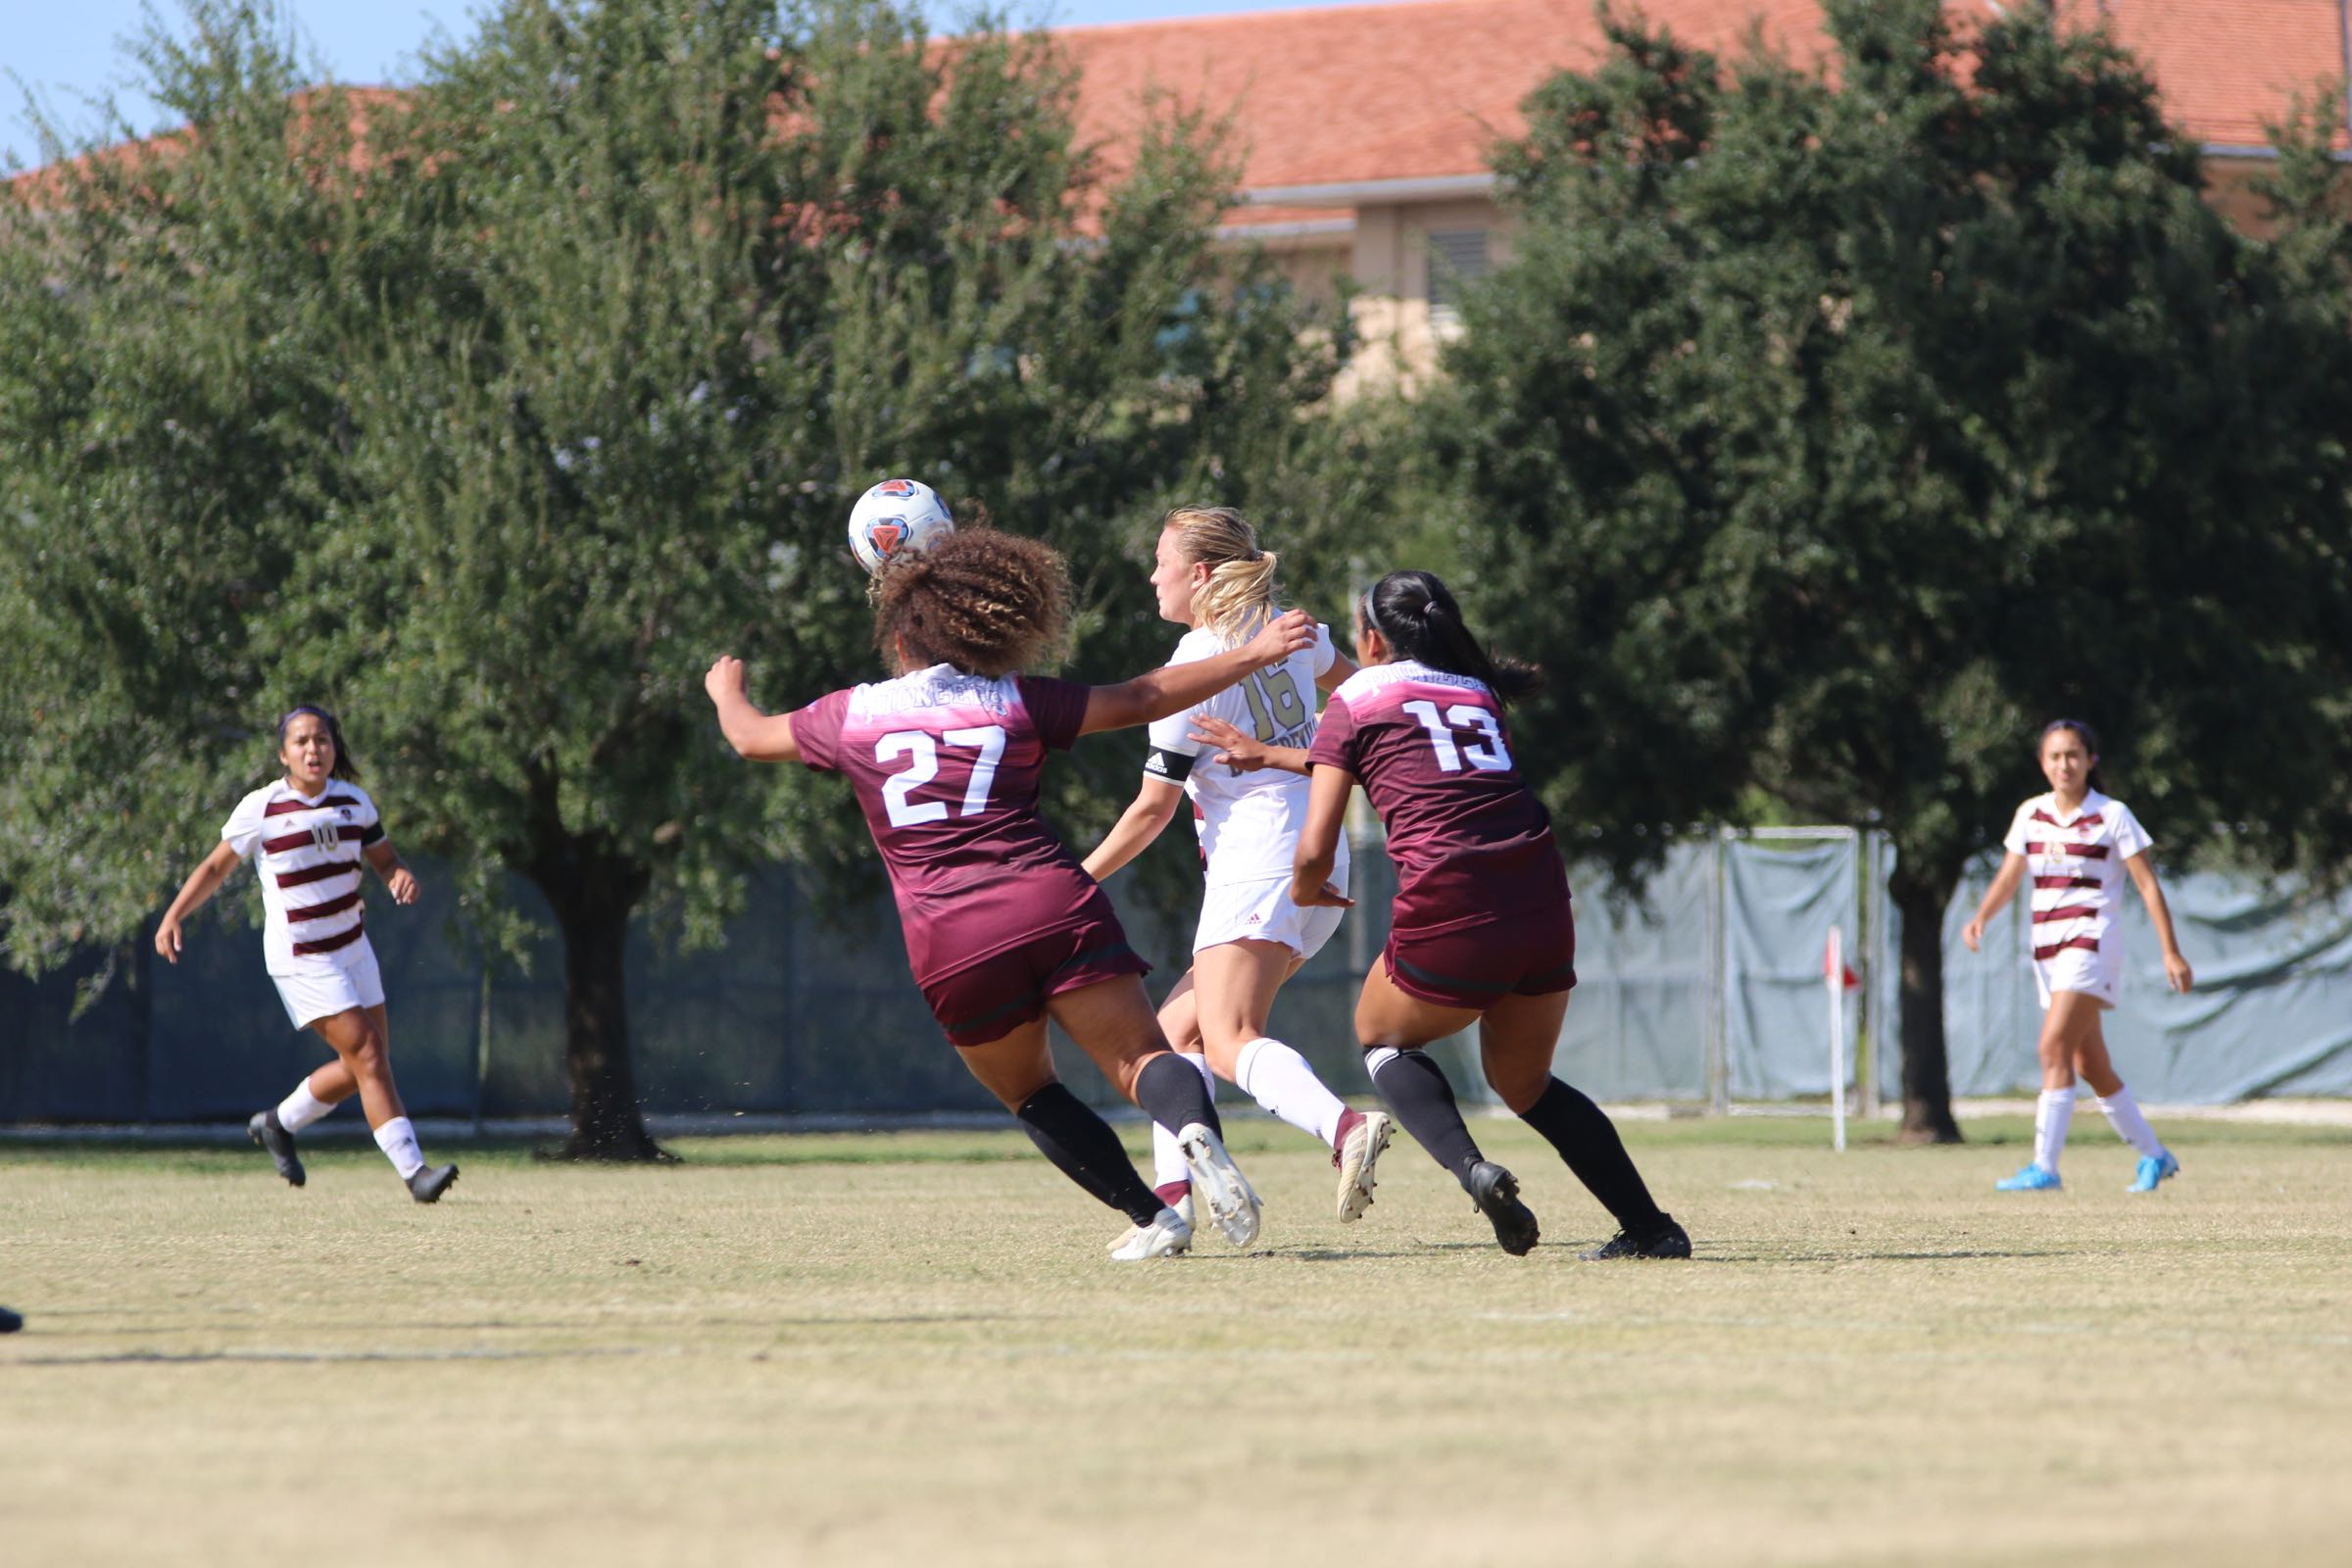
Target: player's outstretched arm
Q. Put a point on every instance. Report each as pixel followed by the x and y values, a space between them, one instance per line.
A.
pixel 1997 899
pixel 1146 817
pixel 1173 688
pixel 756 735
pixel 1320 840
pixel 201 884
pixel 1245 752
pixel 2176 972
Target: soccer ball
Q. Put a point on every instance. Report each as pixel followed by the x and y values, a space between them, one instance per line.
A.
pixel 894 515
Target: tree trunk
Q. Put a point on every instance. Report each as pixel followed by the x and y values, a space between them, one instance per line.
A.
pixel 1920 900
pixel 593 893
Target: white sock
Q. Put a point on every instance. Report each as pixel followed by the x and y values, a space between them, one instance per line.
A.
pixel 1279 1078
pixel 1167 1162
pixel 2123 1114
pixel 398 1140
pixel 301 1109
pixel 2051 1117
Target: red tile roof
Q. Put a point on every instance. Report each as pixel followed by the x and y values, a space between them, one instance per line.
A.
pixel 1361 93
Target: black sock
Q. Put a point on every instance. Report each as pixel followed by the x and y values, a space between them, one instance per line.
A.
pixel 1171 1093
pixel 1415 1089
pixel 1083 1148
pixel 1587 1141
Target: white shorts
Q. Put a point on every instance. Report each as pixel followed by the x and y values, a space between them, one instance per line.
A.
pixel 2096 975
pixel 1262 911
pixel 310 998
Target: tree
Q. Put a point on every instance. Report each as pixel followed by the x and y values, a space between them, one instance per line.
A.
pixel 1860 418
pixel 674 283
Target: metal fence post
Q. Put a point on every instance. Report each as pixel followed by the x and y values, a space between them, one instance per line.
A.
pixel 1719 1076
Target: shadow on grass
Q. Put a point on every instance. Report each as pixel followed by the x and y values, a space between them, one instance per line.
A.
pixel 198 1358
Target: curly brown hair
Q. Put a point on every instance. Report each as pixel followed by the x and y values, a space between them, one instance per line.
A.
pixel 987 603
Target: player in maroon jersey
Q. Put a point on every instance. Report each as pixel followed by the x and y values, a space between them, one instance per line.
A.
pixel 1481 930
pixel 1003 927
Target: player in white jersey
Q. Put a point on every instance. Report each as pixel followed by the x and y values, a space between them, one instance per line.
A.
pixel 1209 574
pixel 2078 845
pixel 309 833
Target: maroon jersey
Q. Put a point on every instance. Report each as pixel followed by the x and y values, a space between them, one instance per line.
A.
pixel 1470 840
pixel 945 768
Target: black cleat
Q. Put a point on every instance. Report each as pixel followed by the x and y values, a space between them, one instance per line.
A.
pixel 8 1321
pixel 270 1133
pixel 1495 1192
pixel 428 1184
pixel 1665 1239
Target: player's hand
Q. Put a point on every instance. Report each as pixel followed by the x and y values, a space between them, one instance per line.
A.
pixel 725 678
pixel 1323 896
pixel 167 939
pixel 1237 748
pixel 2177 973
pixel 1973 933
pixel 402 884
pixel 1282 637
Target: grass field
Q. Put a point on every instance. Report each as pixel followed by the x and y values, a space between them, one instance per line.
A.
pixel 907 1347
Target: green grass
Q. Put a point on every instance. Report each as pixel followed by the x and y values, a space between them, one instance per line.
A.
pixel 882 1348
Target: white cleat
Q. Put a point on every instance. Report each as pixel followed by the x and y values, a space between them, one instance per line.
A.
pixel 1184 1212
pixel 1167 1236
pixel 1358 1153
pixel 1219 1183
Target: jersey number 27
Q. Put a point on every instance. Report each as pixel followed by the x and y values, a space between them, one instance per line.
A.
pixel 988 741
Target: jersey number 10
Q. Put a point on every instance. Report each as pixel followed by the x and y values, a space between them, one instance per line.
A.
pixel 988 741
pixel 1489 755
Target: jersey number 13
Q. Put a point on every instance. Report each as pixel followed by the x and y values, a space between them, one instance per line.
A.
pixel 1489 755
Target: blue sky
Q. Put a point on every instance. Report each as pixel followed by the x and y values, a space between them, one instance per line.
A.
pixel 64 48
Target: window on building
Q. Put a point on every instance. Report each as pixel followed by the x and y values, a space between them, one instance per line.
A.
pixel 1456 256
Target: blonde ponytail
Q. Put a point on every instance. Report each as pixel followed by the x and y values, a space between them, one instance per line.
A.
pixel 1239 596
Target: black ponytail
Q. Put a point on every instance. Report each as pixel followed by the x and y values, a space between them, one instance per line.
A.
pixel 346 766
pixel 1417 616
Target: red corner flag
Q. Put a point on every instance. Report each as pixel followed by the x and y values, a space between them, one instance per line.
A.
pixel 1830 964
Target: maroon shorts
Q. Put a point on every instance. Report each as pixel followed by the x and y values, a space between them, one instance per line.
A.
pixel 1478 963
pixel 990 998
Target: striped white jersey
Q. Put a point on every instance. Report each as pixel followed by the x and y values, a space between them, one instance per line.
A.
pixel 1248 823
pixel 2075 864
pixel 306 849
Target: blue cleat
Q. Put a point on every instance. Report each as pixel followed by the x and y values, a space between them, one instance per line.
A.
pixel 2153 1169
pixel 2029 1179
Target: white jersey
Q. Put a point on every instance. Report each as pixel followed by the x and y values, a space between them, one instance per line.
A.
pixel 1248 823
pixel 2076 867
pixel 307 849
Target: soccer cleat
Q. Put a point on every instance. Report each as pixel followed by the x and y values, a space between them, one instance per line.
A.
pixel 2029 1179
pixel 1167 1236
pixel 1665 1239
pixel 270 1133
pixel 428 1184
pixel 1184 1211
pixel 1495 1192
pixel 1232 1202
pixel 1358 1151
pixel 10 1322
pixel 2153 1169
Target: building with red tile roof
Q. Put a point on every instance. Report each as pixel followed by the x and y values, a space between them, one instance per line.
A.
pixel 1363 131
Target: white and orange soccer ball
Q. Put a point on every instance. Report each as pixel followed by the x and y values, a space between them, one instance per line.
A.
pixel 896 515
